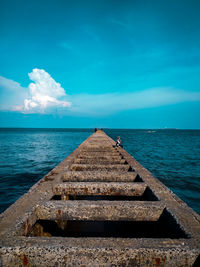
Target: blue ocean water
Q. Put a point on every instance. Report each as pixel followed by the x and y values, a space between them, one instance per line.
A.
pixel 173 156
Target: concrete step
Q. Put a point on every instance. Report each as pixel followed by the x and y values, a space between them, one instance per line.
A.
pixel 101 210
pixel 99 149
pixel 99 154
pixel 94 188
pixel 88 167
pixel 99 161
pixel 102 157
pixel 102 176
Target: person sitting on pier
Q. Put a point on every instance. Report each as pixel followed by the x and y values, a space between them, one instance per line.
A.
pixel 118 142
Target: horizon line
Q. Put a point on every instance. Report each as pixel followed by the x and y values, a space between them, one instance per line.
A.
pixel 100 128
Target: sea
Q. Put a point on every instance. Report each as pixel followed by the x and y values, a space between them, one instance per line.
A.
pixel 26 155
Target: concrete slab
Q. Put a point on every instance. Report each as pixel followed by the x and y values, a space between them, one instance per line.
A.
pixel 99 176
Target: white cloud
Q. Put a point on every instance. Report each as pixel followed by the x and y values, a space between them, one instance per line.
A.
pixel 9 84
pixel 11 93
pixel 44 93
pixel 106 104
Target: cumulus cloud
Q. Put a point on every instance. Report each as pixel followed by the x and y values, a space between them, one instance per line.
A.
pixel 44 91
pixel 44 94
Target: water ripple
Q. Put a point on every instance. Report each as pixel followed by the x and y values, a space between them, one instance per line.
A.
pixel 173 156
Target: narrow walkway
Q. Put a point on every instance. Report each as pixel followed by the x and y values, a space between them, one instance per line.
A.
pixel 99 207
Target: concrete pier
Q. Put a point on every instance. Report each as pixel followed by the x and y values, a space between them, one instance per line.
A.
pixel 99 207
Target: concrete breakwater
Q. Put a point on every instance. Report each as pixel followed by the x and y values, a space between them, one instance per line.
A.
pixel 99 207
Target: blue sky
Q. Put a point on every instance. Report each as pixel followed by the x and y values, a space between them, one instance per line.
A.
pixel 113 63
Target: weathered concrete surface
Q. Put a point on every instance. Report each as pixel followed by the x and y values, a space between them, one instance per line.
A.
pixel 105 210
pixel 96 176
pixel 100 161
pixel 100 167
pixel 35 230
pixel 94 188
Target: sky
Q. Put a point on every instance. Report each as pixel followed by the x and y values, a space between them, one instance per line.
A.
pixel 100 63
